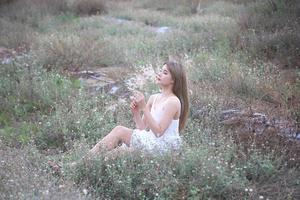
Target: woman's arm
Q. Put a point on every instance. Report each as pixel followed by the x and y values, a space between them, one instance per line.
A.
pixel 170 110
pixel 137 116
pixel 171 107
pixel 140 122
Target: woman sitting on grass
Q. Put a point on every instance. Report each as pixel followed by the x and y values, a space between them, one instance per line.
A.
pixel 164 115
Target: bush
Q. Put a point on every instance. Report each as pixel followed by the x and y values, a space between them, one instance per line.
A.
pixel 73 51
pixel 175 7
pixel 89 7
pixel 15 34
pixel 26 88
pixel 19 136
pixel 82 117
pixel 139 176
pixel 274 39
pixel 31 11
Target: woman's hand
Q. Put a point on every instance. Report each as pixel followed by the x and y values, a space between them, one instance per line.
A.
pixel 139 99
pixel 134 108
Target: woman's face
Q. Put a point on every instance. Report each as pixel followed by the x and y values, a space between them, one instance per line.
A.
pixel 164 77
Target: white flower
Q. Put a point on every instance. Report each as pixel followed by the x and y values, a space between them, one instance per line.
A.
pixel 85 191
pixel 261 197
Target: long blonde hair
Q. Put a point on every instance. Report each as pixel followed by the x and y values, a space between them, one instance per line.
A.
pixel 180 90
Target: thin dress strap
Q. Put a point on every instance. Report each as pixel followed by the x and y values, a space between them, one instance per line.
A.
pixel 155 100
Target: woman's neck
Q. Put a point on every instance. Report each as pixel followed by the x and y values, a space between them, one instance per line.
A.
pixel 166 92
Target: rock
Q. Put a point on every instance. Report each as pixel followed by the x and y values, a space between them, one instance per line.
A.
pixel 7 61
pixel 298 136
pixel 256 123
pixel 162 29
pixel 5 53
pixel 226 114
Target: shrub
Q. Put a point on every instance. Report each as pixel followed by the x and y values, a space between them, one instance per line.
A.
pixel 73 51
pixel 175 7
pixel 274 39
pixel 89 7
pixel 31 11
pixel 139 176
pixel 19 136
pixel 224 8
pixel 82 117
pixel 15 34
pixel 26 87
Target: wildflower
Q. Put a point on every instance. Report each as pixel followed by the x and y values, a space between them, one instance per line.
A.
pixel 85 191
pixel 261 197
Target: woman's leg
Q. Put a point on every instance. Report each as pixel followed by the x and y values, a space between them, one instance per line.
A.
pixel 119 134
pixel 119 151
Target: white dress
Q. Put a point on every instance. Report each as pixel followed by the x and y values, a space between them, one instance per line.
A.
pixel 147 141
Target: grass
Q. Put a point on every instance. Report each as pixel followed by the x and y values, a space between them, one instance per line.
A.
pixel 233 62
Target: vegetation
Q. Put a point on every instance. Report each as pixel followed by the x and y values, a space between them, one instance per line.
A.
pixel 241 55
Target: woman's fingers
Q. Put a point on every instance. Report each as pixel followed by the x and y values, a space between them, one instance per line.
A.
pixel 133 105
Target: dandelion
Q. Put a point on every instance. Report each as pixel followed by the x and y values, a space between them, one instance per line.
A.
pixel 85 191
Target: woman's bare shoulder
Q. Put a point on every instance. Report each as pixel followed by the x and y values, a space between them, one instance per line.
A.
pixel 174 100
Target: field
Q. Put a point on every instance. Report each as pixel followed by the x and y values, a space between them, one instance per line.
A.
pixel 68 69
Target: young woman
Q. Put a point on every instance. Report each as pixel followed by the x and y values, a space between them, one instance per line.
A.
pixel 164 116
